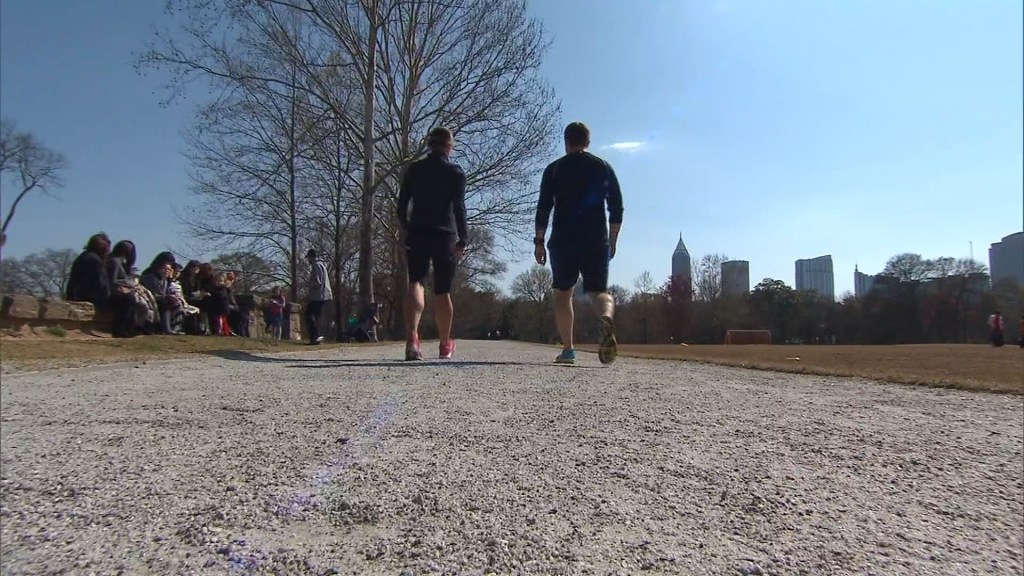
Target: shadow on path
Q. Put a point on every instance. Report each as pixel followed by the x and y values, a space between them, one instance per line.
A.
pixel 427 363
pixel 240 356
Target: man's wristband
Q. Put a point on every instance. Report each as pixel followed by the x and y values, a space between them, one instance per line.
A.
pixel 538 241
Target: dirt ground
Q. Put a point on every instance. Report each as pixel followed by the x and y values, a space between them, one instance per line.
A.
pixel 348 460
pixel 962 366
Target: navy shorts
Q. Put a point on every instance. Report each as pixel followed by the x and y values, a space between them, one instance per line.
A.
pixel 424 248
pixel 571 260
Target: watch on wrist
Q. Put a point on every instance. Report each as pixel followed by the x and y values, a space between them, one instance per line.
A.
pixel 538 241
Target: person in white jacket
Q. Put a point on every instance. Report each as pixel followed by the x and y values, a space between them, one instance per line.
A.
pixel 318 293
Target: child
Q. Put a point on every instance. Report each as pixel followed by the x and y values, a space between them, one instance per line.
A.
pixel 274 314
pixel 174 289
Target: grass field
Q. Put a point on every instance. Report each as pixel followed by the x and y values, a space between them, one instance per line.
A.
pixel 963 366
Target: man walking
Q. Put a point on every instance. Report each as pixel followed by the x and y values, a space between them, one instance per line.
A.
pixel 578 186
pixel 318 293
pixel 435 233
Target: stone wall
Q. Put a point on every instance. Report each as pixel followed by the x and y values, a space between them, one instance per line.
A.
pixel 21 311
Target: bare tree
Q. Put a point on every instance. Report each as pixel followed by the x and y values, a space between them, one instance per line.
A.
pixel 533 285
pixel 28 165
pixel 481 266
pixel 254 273
pixel 707 277
pixel 643 300
pixel 44 274
pixel 533 288
pixel 472 65
pixel 909 267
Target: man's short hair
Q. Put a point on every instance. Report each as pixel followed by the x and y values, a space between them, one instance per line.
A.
pixel 577 135
pixel 439 137
pixel 311 253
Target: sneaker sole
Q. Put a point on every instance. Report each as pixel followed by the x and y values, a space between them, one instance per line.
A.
pixel 609 349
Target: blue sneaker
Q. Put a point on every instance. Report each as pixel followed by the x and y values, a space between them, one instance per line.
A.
pixel 566 357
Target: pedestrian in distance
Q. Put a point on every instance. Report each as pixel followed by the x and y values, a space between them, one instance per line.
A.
pixel 318 294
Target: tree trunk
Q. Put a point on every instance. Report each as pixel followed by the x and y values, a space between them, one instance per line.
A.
pixel 366 224
pixel 293 220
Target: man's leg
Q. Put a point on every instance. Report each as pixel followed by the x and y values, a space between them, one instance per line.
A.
pixel 313 320
pixel 417 257
pixel 565 272
pixel 444 275
pixel 595 283
pixel 565 317
pixel 413 311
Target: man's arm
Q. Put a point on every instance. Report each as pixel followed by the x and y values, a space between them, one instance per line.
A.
pixel 459 207
pixel 614 206
pixel 545 202
pixel 404 194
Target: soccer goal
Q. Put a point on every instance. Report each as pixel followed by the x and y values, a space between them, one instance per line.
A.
pixel 748 336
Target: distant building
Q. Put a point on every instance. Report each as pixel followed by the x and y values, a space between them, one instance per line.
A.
pixel 735 277
pixel 1006 259
pixel 862 283
pixel 681 262
pixel 815 275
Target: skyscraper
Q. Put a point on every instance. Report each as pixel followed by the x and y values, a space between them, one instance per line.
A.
pixel 815 275
pixel 735 277
pixel 681 261
pixel 1006 259
pixel 862 283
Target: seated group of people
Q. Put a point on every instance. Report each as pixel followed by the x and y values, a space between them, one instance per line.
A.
pixel 166 298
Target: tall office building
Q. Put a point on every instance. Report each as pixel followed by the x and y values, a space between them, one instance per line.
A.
pixel 681 261
pixel 862 283
pixel 735 277
pixel 1006 259
pixel 681 265
pixel 815 275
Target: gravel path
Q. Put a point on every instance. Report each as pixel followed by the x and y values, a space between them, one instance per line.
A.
pixel 347 462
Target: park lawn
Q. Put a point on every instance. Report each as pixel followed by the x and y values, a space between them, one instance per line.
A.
pixel 962 366
pixel 48 353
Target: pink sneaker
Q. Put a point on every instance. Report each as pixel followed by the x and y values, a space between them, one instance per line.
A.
pixel 446 350
pixel 412 350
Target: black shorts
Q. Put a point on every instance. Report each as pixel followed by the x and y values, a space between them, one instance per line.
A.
pixel 570 260
pixel 421 249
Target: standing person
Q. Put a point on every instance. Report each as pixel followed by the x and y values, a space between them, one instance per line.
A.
pixel 995 322
pixel 318 293
pixel 435 233
pixel 274 314
pixel 578 186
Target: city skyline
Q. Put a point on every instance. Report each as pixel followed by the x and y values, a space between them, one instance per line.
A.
pixel 1006 259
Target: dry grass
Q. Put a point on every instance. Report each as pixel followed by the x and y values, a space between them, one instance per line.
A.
pixel 46 353
pixel 962 366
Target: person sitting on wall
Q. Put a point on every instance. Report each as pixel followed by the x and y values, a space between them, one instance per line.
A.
pixel 124 303
pixel 157 279
pixel 88 280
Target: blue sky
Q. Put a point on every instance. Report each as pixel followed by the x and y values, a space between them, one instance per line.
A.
pixel 768 131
